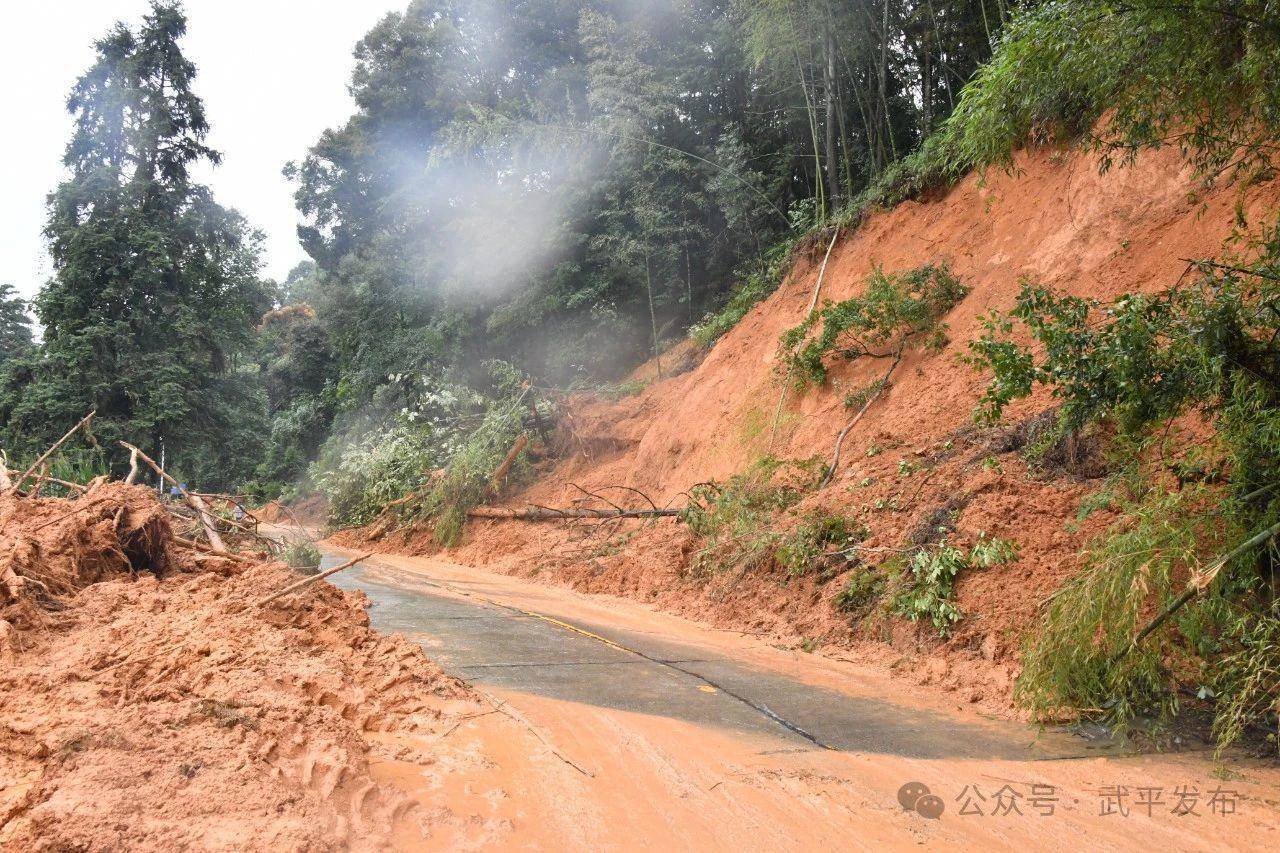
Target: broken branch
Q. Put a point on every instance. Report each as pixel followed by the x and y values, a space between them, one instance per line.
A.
pixel 543 513
pixel 500 475
pixel 294 587
pixel 84 422
pixel 813 303
pixel 835 457
pixel 196 504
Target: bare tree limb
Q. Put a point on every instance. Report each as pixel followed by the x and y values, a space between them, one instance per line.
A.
pixel 133 467
pixel 813 303
pixel 500 475
pixel 545 513
pixel 84 423
pixel 308 581
pixel 210 529
pixel 835 457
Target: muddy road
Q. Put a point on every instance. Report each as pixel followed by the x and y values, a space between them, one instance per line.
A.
pixel 640 729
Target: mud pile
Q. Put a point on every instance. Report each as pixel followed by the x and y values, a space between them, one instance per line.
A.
pixel 51 547
pixel 916 460
pixel 147 702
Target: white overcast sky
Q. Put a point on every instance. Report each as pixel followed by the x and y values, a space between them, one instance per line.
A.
pixel 273 74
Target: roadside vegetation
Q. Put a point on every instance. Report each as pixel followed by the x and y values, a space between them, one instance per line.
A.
pixel 303 556
pixel 744 524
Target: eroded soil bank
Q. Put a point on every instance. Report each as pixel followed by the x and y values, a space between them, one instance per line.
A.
pixel 915 463
pixel 149 701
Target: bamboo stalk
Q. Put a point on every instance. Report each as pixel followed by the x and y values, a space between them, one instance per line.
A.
pixel 1196 587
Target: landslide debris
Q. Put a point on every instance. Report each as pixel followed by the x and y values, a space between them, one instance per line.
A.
pixel 146 703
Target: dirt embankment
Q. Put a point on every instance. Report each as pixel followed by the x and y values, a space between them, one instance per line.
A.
pixel 915 461
pixel 147 702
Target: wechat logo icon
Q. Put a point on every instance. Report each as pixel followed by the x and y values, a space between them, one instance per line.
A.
pixel 916 797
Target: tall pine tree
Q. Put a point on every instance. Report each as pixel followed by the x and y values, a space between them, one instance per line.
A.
pixel 155 287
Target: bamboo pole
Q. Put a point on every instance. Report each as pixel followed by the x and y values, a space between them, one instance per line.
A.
pixel 1196 587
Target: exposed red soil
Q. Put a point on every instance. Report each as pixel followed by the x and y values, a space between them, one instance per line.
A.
pixel 1055 219
pixel 147 703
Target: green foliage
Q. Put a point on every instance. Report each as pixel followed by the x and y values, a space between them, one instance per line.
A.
pixel 363 473
pixel 933 571
pixel 1205 347
pixel 15 325
pixel 1077 660
pixel 149 312
pixel 1248 680
pixel 737 520
pixel 302 555
pixel 895 312
pixel 1198 75
pixel 811 542
pixel 1208 346
pixel 466 481
pixel 865 588
pixel 622 390
pixel 935 165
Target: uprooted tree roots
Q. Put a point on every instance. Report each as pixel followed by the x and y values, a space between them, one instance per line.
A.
pixel 52 547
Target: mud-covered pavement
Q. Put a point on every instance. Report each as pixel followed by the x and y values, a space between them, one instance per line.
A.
pixel 652 730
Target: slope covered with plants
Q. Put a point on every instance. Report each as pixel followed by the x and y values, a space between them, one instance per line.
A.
pixel 1078 422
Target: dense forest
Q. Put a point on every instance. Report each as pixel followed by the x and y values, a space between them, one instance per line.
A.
pixel 562 186
pixel 539 195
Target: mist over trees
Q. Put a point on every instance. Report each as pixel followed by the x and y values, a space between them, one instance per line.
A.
pixel 526 179
pixel 565 185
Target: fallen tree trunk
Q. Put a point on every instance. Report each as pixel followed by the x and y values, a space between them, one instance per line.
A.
pixel 546 513
pixel 500 475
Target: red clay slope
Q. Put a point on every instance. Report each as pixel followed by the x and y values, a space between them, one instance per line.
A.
pixel 1056 219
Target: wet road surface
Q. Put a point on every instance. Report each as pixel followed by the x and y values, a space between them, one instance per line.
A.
pixel 471 633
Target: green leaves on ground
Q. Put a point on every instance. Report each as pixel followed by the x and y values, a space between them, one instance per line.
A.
pixel 896 311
